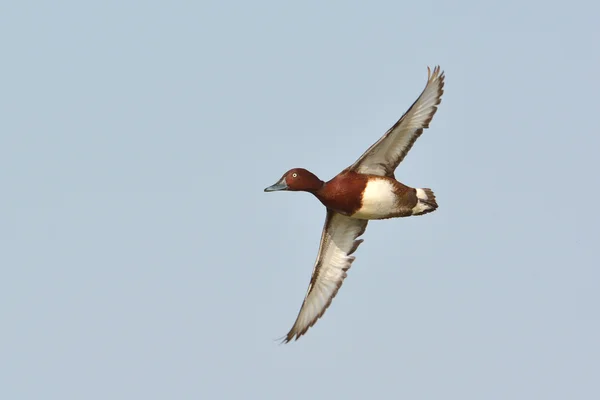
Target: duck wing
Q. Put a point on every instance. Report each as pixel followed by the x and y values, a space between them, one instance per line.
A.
pixel 338 242
pixel 383 157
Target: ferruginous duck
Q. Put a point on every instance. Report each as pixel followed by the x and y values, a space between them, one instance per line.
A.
pixel 364 191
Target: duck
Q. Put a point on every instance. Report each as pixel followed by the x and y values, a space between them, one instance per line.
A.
pixel 367 190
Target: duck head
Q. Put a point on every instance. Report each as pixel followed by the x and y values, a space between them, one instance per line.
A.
pixel 297 179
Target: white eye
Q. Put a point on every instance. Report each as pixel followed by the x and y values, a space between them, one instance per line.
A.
pixel 294 175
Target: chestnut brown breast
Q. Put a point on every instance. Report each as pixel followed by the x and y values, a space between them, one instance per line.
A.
pixel 344 192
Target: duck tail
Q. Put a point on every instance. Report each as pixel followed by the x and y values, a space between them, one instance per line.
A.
pixel 425 202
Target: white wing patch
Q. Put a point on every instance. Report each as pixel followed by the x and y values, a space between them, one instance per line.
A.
pixel 383 157
pixel 338 242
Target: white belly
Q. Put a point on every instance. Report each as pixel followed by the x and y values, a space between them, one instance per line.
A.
pixel 378 200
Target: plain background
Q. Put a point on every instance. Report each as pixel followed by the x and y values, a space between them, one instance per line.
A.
pixel 140 258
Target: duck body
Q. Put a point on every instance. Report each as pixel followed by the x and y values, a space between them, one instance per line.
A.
pixel 369 197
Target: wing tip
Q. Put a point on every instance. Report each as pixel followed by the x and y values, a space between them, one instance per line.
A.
pixel 437 77
pixel 287 338
pixel 436 74
pixel 295 334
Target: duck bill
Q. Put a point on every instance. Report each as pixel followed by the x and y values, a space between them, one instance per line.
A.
pixel 281 185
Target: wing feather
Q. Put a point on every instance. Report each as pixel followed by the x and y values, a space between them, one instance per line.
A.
pixel 338 242
pixel 384 156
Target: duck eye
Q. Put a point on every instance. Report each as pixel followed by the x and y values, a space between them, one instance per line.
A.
pixel 294 175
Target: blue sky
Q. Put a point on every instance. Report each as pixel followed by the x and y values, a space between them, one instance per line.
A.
pixel 140 257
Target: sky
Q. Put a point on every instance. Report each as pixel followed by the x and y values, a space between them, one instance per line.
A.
pixel 141 259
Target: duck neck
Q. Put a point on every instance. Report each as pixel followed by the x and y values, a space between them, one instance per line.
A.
pixel 317 188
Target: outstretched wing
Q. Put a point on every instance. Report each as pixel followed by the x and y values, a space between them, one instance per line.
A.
pixel 383 157
pixel 338 242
